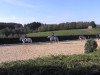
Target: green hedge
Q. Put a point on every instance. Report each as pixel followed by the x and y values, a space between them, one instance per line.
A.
pixel 90 46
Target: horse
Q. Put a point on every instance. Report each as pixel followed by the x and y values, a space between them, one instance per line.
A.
pixel 53 38
pixel 98 36
pixel 24 40
pixel 81 37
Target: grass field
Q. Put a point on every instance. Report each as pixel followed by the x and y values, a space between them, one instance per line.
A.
pixel 65 32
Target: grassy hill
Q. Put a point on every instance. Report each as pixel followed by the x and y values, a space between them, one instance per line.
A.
pixel 55 65
pixel 65 32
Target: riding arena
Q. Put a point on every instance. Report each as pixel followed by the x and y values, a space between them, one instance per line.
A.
pixel 25 51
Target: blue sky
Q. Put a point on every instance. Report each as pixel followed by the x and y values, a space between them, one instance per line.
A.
pixel 49 11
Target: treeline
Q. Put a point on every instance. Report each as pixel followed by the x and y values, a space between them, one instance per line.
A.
pixel 66 26
pixel 10 29
pixel 16 29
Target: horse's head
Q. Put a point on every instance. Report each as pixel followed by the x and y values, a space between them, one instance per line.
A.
pixel 21 38
pixel 48 36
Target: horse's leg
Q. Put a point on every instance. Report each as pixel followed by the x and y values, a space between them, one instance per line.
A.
pixel 98 37
pixel 81 39
pixel 88 37
pixel 51 41
pixel 57 40
pixel 23 42
pixel 30 41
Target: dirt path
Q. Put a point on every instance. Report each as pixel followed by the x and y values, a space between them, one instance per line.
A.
pixel 24 52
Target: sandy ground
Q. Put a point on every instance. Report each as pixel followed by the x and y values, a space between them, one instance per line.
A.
pixel 29 51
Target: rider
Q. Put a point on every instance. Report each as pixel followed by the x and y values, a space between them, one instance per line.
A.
pixel 52 33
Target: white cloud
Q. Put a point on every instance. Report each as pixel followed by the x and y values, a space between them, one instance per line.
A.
pixel 19 3
pixel 21 20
